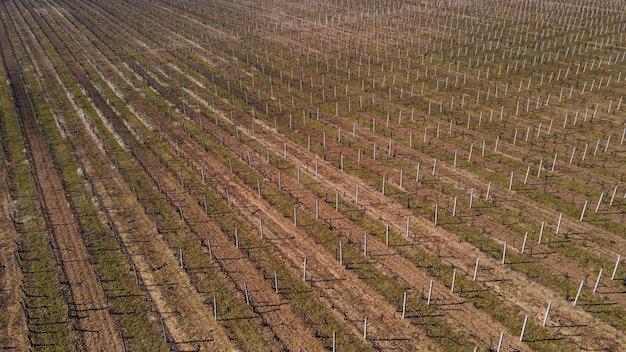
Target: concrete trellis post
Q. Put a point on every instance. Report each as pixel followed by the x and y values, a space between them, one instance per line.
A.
pixel 521 336
pixel 430 292
pixel 404 306
pixel 453 280
pixel 582 213
pixel 476 269
pixel 304 270
pixel 599 202
pixel 595 287
pixel 619 258
pixel 580 289
pixel 545 317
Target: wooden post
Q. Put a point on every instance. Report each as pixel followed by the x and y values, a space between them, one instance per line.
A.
pixel 317 209
pixel 521 336
pixel 545 317
pixel 476 269
pixel 582 283
pixel 595 287
pixel 619 258
pixel 404 306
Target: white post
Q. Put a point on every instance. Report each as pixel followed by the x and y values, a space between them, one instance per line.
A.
pixel 476 269
pixel 527 172
pixel 582 214
pixel 545 317
pixel 599 202
pixel 340 254
pixel 304 271
pixel 295 216
pixel 521 336
pixel 511 182
pixel 488 189
pixel 334 341
pixel 436 213
pixel 383 188
pixel 261 227
pixel 471 197
pixel 401 178
pixel 579 291
pixel 558 225
pixel 543 223
pixel 245 291
pixel 434 166
pixel 317 209
pixel 501 340
pixel 275 281
pixel 214 307
pixel 365 329
pixel 504 253
pixel 453 280
pixel 613 196
pixel 356 199
pixel 430 292
pixel 408 225
pixel 404 307
pixel 454 207
pixel 619 258
pixel 595 287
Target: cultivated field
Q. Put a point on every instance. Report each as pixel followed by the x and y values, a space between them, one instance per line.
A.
pixel 279 175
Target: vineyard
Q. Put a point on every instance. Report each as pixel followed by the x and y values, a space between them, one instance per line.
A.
pixel 278 175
